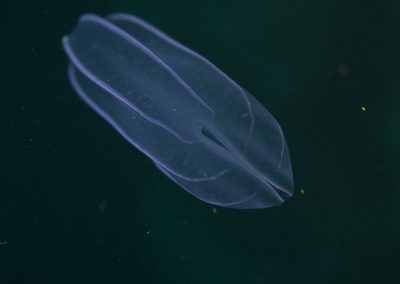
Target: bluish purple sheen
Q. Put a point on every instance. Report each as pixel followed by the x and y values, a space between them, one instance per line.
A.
pixel 199 127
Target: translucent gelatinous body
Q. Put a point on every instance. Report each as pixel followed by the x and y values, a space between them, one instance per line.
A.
pixel 198 126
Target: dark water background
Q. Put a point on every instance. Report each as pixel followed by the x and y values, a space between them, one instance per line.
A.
pixel 79 205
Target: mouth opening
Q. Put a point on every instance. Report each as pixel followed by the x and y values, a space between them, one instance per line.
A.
pixel 210 136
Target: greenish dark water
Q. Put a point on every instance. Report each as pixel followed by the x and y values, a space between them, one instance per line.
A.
pixel 78 204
